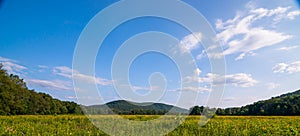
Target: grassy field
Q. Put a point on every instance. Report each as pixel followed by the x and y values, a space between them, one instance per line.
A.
pixel 81 125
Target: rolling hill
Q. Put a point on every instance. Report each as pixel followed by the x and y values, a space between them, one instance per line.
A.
pixel 126 107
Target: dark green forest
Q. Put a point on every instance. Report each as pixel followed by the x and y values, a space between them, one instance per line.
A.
pixel 17 99
pixel 286 104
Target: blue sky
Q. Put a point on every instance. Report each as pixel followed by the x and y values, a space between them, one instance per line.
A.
pixel 259 39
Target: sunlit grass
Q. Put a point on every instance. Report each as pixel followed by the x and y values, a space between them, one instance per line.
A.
pixel 81 125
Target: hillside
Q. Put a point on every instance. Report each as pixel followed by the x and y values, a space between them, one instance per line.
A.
pixel 125 107
pixel 17 99
pixel 286 104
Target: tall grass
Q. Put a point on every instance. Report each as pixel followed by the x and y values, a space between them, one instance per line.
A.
pixel 81 125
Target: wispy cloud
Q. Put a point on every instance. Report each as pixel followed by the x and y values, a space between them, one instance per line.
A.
pixel 241 56
pixel 293 14
pixel 287 67
pixel 190 88
pixel 11 66
pixel 71 97
pixel 190 42
pixel 238 79
pixel 62 71
pixel 195 77
pixel 57 85
pixel 67 72
pixel 196 89
pixel 228 99
pixel 136 88
pixel 241 34
pixel 43 67
pixel 91 79
pixel 272 85
pixel 287 48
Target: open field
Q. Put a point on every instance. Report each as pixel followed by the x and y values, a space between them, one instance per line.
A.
pixel 221 125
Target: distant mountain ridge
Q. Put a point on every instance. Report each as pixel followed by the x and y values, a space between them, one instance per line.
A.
pixel 127 107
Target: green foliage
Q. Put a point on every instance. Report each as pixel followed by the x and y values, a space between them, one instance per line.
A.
pixel 17 99
pixel 286 104
pixel 196 110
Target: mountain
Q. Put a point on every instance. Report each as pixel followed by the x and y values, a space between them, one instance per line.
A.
pixel 127 107
pixel 286 104
pixel 17 99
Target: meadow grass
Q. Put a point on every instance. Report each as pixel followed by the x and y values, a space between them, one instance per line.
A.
pixel 220 125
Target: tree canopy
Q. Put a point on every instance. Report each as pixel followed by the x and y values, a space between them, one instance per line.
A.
pixel 17 99
pixel 286 104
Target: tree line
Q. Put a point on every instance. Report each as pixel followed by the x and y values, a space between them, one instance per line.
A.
pixel 17 99
pixel 283 105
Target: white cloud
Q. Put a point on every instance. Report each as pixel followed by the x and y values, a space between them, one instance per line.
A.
pixel 204 53
pixel 287 68
pixel 91 79
pixel 50 84
pixel 238 79
pixel 242 34
pixel 272 85
pixel 135 88
pixel 228 99
pixel 293 14
pixel 287 48
pixel 11 66
pixel 279 68
pixel 278 13
pixel 67 72
pixel 43 66
pixel 190 42
pixel 241 56
pixel 197 71
pixel 241 80
pixel 194 77
pixel 71 97
pixel 196 89
pixel 63 71
pixel 255 39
